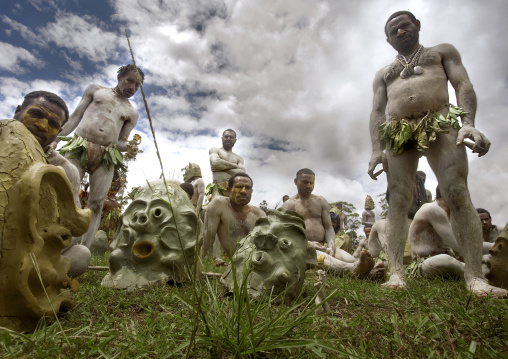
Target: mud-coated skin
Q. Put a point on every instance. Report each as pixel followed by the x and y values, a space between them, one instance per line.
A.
pixel 498 264
pixel 412 97
pixel 154 241
pixel 278 254
pixel 38 218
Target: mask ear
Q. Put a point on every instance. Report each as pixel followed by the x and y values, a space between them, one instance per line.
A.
pixel 311 257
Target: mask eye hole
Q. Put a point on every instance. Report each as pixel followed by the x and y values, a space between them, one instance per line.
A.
pixel 284 243
pixel 157 213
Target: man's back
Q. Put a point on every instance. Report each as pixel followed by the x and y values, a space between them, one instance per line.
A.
pixel 430 232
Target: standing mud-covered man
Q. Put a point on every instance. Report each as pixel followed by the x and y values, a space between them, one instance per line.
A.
pixel 421 121
pixel 224 162
pixel 102 122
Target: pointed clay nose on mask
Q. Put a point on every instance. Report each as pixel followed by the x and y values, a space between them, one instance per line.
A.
pixel 265 243
pixel 139 220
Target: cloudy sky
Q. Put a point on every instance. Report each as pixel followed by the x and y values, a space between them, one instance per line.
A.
pixel 294 78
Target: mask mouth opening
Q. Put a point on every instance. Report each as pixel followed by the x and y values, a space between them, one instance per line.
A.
pixel 143 249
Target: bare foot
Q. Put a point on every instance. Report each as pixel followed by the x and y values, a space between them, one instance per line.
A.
pixel 482 289
pixel 378 273
pixel 364 265
pixel 396 281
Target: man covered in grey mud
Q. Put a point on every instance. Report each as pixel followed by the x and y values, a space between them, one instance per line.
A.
pixel 319 229
pixel 421 121
pixel 231 218
pixel 224 162
pixel 102 122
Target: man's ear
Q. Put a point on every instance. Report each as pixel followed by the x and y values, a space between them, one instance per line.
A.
pixel 18 110
pixel 294 181
pixel 418 25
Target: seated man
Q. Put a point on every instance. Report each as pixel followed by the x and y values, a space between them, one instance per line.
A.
pixel 192 175
pixel 41 113
pixel 364 243
pixel 432 239
pixel 490 231
pixel 342 240
pixel 319 231
pixel 231 218
pixel 343 217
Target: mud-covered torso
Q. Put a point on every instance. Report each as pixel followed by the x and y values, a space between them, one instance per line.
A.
pixel 417 93
pixel 228 156
pixel 311 210
pixel 195 195
pixel 105 117
pixel 233 226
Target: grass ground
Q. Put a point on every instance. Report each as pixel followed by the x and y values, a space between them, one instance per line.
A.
pixel 430 319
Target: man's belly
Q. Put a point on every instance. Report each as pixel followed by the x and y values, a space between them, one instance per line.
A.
pixel 314 230
pixel 103 134
pixel 417 95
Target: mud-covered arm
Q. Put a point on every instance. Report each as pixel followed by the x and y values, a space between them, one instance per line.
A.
pixel 361 245
pixel 377 117
pixel 212 220
pixel 443 228
pixel 76 117
pixel 327 224
pixel 241 164
pixel 71 172
pixel 466 98
pixel 289 205
pixel 374 244
pixel 201 194
pixel 218 164
pixel 128 126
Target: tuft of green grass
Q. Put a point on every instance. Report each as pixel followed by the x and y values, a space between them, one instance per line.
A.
pixel 366 321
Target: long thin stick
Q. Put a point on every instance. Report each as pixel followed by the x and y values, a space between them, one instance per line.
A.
pixel 146 108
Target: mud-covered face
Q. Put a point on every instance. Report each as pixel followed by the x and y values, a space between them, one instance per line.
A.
pixel 153 242
pixel 228 140
pixel 278 253
pixel 241 192
pixel 128 84
pixel 403 33
pixel 305 184
pixel 486 222
pixel 42 118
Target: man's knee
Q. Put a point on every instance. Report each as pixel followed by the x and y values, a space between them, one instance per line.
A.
pixel 95 205
pixel 455 194
pixel 400 200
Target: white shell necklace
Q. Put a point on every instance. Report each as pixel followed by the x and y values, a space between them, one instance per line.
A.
pixel 411 66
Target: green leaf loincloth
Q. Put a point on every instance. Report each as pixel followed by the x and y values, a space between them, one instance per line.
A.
pixel 77 148
pixel 398 132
